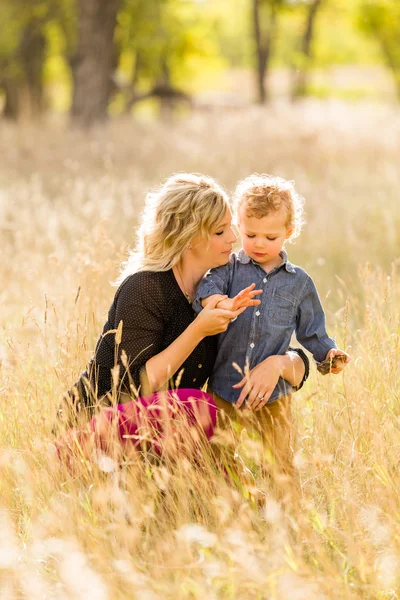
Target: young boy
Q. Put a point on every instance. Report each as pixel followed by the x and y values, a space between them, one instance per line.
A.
pixel 269 212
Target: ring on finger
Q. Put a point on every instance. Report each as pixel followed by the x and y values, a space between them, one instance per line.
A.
pixel 261 396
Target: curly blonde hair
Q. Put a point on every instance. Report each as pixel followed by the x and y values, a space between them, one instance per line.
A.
pixel 186 205
pixel 261 195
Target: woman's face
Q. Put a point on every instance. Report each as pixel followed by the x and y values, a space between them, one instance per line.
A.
pixel 215 251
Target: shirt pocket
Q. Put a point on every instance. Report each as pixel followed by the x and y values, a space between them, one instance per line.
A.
pixel 283 306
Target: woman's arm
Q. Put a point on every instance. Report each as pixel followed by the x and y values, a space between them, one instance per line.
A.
pixel 163 365
pixel 292 367
pixel 258 385
pixel 141 353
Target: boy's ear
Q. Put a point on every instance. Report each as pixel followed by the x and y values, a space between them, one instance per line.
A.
pixel 289 232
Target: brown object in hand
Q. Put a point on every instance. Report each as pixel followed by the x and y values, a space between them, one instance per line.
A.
pixel 326 365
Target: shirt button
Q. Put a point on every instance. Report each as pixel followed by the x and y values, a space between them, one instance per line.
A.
pixel 194 379
pixel 252 345
pixel 199 366
pixel 265 280
pixel 258 313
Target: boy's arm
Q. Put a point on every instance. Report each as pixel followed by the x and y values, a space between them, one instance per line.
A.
pixel 310 327
pixel 243 299
pixel 216 281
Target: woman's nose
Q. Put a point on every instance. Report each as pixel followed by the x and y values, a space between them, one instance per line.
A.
pixel 233 237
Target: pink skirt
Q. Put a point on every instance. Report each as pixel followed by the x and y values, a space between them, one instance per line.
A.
pixel 164 423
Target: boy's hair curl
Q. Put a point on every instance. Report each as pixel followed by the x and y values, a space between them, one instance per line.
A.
pixel 261 195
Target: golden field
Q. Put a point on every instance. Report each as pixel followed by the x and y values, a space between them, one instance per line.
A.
pixel 69 203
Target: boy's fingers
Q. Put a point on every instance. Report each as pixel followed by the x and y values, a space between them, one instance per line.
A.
pixel 247 289
pixel 239 311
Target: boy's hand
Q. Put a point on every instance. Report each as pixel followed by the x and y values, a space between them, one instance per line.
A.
pixel 335 361
pixel 242 300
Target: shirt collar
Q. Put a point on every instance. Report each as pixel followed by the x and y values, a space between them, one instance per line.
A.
pixel 244 259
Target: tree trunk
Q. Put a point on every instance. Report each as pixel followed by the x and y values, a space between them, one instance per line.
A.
pixel 301 74
pixel 12 104
pixel 264 37
pixel 94 61
pixel 32 53
pixel 391 62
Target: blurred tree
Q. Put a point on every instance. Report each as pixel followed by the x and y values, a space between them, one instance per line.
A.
pixel 381 18
pixel 304 57
pixel 265 14
pixel 94 61
pixel 157 39
pixel 23 45
pixel 10 69
pixel 22 54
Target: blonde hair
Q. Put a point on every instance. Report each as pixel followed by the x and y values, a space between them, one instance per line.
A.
pixel 186 205
pixel 261 195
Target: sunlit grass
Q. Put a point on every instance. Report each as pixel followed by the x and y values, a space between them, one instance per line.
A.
pixel 68 207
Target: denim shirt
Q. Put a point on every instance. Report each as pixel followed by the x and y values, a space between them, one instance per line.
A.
pixel 289 303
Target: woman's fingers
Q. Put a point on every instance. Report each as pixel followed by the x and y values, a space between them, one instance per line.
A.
pixel 213 301
pixel 263 402
pixel 215 320
pixel 243 394
pixel 253 398
pixel 240 384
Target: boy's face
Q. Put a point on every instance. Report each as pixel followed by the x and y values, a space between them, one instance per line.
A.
pixel 263 238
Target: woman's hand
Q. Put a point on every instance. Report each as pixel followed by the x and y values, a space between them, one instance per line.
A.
pixel 212 320
pixel 242 300
pixel 259 383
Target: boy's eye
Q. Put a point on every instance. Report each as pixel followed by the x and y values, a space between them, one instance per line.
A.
pixel 219 232
pixel 250 236
pixel 271 239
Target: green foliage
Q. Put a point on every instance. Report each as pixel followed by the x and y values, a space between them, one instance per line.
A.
pixel 189 43
pixel 54 19
pixel 381 18
pixel 160 38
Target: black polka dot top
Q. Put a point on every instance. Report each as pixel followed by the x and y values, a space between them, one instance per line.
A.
pixel 154 312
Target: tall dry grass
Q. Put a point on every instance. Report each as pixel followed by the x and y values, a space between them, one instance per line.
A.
pixel 68 207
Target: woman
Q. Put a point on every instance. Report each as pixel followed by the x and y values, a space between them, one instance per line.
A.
pixel 152 340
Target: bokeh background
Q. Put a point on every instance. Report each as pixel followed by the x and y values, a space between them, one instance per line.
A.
pixel 144 57
pixel 101 100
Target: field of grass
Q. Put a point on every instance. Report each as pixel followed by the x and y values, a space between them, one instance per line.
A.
pixel 69 204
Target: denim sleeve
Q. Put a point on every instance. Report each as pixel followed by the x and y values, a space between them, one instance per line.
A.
pixel 310 327
pixel 216 281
